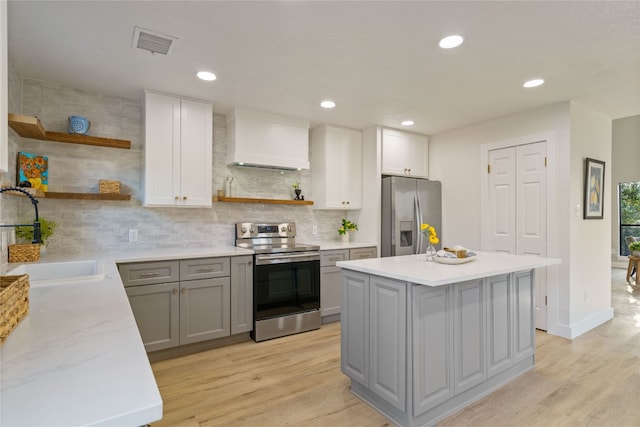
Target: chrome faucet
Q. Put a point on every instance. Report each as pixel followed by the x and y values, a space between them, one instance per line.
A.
pixel 37 235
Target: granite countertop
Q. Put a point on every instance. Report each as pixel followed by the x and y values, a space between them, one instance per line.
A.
pixel 415 268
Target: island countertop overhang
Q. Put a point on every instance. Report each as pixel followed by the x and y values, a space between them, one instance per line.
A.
pixel 415 268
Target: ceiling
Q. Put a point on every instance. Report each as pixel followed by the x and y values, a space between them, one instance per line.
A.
pixel 379 61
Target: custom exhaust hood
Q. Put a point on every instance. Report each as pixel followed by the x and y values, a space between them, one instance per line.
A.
pixel 267 140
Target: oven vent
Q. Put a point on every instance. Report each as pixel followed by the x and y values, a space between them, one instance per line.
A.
pixel 151 41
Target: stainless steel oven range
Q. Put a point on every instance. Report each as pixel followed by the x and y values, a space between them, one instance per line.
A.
pixel 286 280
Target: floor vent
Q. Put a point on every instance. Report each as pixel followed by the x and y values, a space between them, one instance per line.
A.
pixel 151 41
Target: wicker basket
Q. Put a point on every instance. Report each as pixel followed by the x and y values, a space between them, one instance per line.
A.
pixel 24 253
pixel 109 187
pixel 14 303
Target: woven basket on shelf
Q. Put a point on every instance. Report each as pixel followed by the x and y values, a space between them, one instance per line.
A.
pixel 109 187
pixel 24 253
pixel 14 303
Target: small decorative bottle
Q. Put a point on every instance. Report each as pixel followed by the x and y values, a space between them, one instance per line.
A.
pixel 227 187
pixel 232 188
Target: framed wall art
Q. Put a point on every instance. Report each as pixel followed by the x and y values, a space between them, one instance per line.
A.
pixel 593 189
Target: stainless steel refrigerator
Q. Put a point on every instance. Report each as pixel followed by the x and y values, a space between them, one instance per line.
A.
pixel 406 204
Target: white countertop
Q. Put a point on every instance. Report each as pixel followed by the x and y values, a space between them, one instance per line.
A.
pixel 415 268
pixel 330 246
pixel 77 358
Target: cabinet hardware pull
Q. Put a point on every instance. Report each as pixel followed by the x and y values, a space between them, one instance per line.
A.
pixel 184 290
pixel 184 198
pixel 175 291
pixel 205 270
pixel 152 274
pixel 177 198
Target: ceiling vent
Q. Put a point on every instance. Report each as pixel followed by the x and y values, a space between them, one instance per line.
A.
pixel 152 41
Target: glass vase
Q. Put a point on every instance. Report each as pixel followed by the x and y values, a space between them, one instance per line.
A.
pixel 430 253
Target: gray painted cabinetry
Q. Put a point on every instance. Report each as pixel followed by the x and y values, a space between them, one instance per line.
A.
pixel 419 353
pixel 331 280
pixel 187 301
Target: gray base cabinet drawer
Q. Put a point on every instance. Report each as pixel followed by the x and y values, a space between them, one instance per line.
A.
pixel 204 268
pixel 362 253
pixel 329 258
pixel 149 273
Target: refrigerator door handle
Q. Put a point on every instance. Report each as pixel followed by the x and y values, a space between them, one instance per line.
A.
pixel 418 218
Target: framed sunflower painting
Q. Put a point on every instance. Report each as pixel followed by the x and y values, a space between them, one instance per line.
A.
pixel 33 168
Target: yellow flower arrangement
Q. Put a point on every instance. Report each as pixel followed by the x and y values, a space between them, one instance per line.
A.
pixel 430 233
pixel 347 226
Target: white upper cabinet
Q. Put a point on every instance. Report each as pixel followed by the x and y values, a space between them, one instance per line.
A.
pixel 336 166
pixel 178 151
pixel 405 153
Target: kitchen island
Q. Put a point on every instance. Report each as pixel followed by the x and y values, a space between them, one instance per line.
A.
pixel 420 340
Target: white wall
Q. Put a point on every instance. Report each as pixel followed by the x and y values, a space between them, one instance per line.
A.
pixel 625 168
pixel 454 159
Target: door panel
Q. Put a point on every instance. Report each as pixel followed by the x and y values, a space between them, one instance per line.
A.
pixel 502 194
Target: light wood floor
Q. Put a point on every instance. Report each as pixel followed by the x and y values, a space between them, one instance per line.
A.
pixel 593 380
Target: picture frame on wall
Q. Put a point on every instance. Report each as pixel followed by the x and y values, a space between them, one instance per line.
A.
pixel 593 189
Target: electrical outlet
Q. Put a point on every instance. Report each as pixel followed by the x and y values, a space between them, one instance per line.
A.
pixel 586 296
pixel 314 231
pixel 133 235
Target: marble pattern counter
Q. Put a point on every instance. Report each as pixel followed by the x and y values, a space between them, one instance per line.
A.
pixel 77 359
pixel 415 268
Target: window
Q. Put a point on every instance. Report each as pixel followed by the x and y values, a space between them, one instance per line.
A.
pixel 629 208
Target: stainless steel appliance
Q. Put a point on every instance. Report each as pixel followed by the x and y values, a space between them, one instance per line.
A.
pixel 286 280
pixel 406 204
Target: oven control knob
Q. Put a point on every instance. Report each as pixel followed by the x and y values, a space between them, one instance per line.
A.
pixel 283 229
pixel 243 229
pixel 290 229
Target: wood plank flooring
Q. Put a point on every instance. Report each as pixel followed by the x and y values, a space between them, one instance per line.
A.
pixel 593 380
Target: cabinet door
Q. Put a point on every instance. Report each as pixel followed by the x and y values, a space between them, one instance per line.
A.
pixel 416 155
pixel 162 150
pixel 354 327
pixel 196 145
pixel 432 346
pixel 241 294
pixel 393 153
pixel 387 341
pixel 525 338
pixel 499 324
pixel 330 284
pixel 156 308
pixel 468 327
pixel 204 309
pixel 351 168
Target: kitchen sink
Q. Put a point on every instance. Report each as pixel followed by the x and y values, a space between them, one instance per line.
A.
pixel 61 272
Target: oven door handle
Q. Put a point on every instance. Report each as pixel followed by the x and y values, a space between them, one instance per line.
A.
pixel 281 259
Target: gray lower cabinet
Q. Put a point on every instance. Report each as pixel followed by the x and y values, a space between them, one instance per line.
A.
pixel 331 279
pixel 208 298
pixel 417 353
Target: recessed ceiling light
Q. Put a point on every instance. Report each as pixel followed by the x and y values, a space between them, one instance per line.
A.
pixel 450 42
pixel 408 123
pixel 533 83
pixel 327 104
pixel 206 75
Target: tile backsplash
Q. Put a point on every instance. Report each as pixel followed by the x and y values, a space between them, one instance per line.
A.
pixel 85 226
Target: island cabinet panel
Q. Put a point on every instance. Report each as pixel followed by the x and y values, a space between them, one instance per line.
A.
pixel 525 338
pixel 204 309
pixel 432 347
pixel 387 319
pixel 354 336
pixel 156 309
pixel 469 332
pixel 500 324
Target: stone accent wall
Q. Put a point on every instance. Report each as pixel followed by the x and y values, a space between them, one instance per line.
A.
pixel 85 226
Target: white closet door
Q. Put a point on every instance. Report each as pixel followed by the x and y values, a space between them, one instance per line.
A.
pixel 518 209
pixel 502 200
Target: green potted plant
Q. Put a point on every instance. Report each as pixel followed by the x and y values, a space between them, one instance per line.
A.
pixel 297 190
pixel 47 228
pixel 345 228
pixel 635 248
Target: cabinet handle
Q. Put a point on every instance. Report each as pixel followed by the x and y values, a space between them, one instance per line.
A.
pixel 184 198
pixel 336 258
pixel 175 291
pixel 205 270
pixel 152 274
pixel 184 290
pixel 177 198
pixel 250 263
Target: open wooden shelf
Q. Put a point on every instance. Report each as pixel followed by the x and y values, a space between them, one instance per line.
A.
pixel 31 127
pixel 73 196
pixel 262 201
